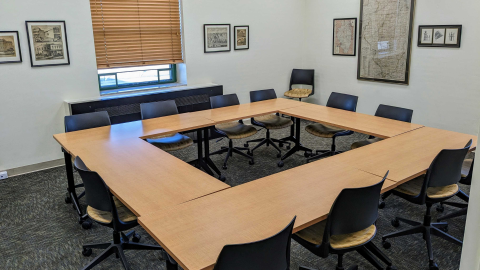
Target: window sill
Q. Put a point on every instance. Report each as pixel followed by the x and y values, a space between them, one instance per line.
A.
pixel 140 89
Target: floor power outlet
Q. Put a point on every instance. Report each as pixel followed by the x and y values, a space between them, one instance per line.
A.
pixel 3 175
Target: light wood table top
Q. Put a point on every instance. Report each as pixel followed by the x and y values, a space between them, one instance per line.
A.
pixel 407 155
pixel 195 232
pixel 358 122
pixel 248 110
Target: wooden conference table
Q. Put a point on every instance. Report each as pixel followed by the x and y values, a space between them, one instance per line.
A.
pixel 193 215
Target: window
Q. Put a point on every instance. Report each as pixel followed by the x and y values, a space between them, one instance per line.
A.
pixel 137 42
pixel 116 78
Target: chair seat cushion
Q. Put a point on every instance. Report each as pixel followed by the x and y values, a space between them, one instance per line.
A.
pixel 324 131
pixel 171 142
pixel 106 217
pixel 272 121
pixel 298 93
pixel 414 186
pixel 314 235
pixel 467 164
pixel 365 143
pixel 236 130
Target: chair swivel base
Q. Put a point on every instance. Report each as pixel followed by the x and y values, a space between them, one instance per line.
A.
pixel 427 229
pixel 458 213
pixel 120 243
pixel 237 150
pixel 269 141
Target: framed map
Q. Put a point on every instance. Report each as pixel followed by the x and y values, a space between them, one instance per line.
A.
pixel 385 40
pixel 345 37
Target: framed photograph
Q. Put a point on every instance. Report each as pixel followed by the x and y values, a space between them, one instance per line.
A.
pixel 242 37
pixel 385 42
pixel 10 47
pixel 47 43
pixel 448 36
pixel 216 38
pixel 345 37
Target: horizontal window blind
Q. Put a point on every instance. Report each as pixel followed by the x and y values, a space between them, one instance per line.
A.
pixel 136 32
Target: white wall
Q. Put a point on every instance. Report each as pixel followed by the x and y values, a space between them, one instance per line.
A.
pixel 444 89
pixel 31 107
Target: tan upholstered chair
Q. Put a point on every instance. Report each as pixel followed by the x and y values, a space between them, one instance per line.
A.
pixel 301 77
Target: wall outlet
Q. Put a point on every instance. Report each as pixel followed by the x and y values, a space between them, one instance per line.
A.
pixel 3 175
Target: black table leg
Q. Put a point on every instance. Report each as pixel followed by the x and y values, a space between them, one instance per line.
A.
pixel 207 155
pixel 200 161
pixel 298 146
pixel 71 193
pixel 171 263
pixel 292 133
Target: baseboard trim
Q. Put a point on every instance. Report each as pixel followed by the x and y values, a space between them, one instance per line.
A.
pixel 35 167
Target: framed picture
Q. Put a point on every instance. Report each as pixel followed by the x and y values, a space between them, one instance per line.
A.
pixel 448 36
pixel 345 37
pixel 216 38
pixel 10 47
pixel 242 37
pixel 384 47
pixel 47 43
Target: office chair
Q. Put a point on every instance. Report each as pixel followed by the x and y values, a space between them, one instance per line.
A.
pixel 304 77
pixel 166 142
pixel 81 122
pixel 390 112
pixel 272 253
pixel 232 130
pixel 350 226
pixel 467 170
pixel 269 121
pixel 338 101
pixel 437 185
pixel 108 211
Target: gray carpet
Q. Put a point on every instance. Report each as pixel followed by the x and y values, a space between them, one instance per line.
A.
pixel 39 231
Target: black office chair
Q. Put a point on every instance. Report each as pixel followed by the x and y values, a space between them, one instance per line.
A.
pixel 232 130
pixel 437 185
pixel 467 170
pixel 108 211
pixel 350 226
pixel 338 101
pixel 272 253
pixel 81 122
pixel 166 142
pixel 303 77
pixel 269 121
pixel 390 112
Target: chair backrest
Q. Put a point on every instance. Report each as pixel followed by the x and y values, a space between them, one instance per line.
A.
pixel 446 168
pixel 303 76
pixel 355 209
pixel 272 253
pixel 86 121
pixel 224 101
pixel 260 95
pixel 97 192
pixel 342 101
pixel 158 109
pixel 395 113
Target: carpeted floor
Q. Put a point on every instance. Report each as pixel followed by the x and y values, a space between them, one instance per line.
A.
pixel 39 231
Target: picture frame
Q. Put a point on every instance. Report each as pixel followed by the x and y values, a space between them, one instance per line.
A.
pixel 10 51
pixel 47 43
pixel 344 37
pixel 241 37
pixel 446 36
pixel 216 38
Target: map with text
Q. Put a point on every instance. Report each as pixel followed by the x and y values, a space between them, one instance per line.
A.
pixel 385 40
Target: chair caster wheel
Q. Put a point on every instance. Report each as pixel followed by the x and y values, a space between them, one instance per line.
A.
pixel 307 154
pixel 381 205
pixel 86 225
pixel 251 162
pixel 440 208
pixel 224 167
pixel 386 245
pixel 250 153
pixel 136 238
pixel 87 252
pixel 391 267
pixel 280 144
pixel 395 222
pixel 245 145
pixel 67 198
pixel 433 266
pixel 222 178
pixel 280 164
pixel 288 147
pixel 279 155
